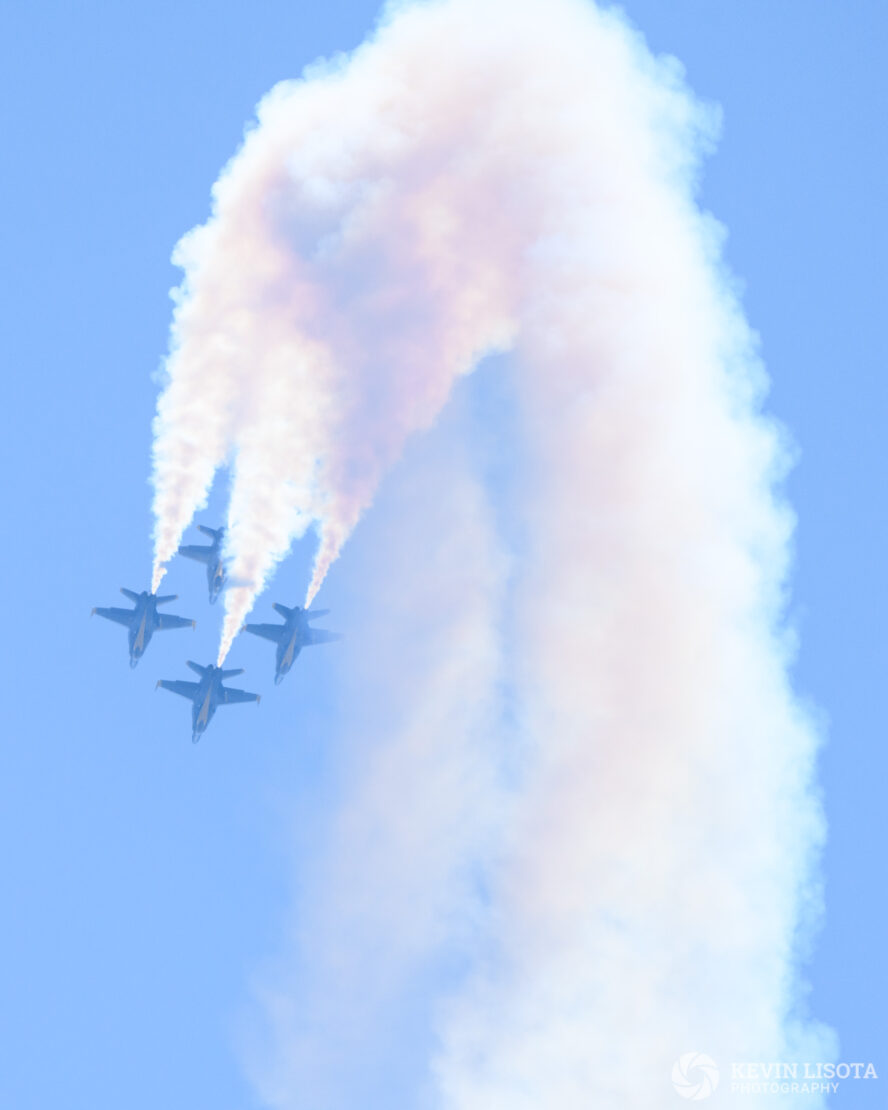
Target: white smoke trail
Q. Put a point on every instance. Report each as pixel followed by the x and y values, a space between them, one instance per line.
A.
pixel 660 852
pixel 334 278
pixel 487 174
pixel 391 889
pixel 195 413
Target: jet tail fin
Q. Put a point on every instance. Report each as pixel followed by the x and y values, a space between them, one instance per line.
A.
pixel 131 594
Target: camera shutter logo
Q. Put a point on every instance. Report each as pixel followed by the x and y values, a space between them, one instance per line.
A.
pixel 695 1075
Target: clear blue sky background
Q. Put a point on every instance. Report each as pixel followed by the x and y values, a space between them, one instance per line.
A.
pixel 144 881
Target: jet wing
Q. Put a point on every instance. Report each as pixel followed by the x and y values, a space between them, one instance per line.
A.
pixel 273 632
pixel 121 616
pixel 195 551
pixel 318 636
pixel 166 621
pixel 175 686
pixel 232 697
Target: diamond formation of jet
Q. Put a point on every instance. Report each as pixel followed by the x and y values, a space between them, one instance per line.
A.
pixel 209 692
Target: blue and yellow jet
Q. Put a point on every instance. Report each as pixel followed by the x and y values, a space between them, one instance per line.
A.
pixel 292 636
pixel 212 556
pixel 207 695
pixel 143 621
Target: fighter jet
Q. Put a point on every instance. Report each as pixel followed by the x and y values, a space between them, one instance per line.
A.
pixel 292 636
pixel 207 695
pixel 144 620
pixel 212 556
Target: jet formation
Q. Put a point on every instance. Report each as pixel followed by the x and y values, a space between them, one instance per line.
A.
pixel 209 692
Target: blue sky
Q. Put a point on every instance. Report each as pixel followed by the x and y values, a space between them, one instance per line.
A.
pixel 147 882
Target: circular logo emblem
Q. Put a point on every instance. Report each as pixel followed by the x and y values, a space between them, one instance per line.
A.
pixel 695 1075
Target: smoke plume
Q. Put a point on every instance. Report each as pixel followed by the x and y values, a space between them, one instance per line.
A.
pixel 480 176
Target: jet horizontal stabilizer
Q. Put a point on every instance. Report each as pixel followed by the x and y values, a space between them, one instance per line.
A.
pixel 196 667
pixel 131 594
pixel 165 599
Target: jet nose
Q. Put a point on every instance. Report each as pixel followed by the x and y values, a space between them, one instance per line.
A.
pixel 278 678
pixel 134 661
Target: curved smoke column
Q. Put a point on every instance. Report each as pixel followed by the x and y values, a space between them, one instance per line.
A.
pixel 486 175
